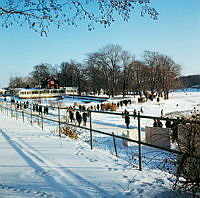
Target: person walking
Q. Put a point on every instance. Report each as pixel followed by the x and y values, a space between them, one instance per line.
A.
pixel 84 118
pixel 40 109
pixel 78 118
pixel 135 113
pixel 161 112
pixel 168 123
pixel 159 123
pixel 71 115
pixel 174 128
pixel 155 124
pixel 127 119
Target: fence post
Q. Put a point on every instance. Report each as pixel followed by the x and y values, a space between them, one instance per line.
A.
pixel 23 114
pixel 13 107
pixel 7 108
pixel 42 119
pixel 59 121
pixel 11 110
pixel 31 106
pixel 38 118
pixel 114 144
pixel 16 114
pixel 91 144
pixel 139 144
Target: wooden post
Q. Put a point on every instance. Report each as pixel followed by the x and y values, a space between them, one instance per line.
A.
pixel 59 121
pixel 11 110
pixel 31 106
pixel 91 139
pixel 7 108
pixel 38 117
pixel 115 144
pixel 16 112
pixel 42 120
pixel 23 114
pixel 139 144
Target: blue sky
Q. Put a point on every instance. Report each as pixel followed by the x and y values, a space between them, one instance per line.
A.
pixel 176 33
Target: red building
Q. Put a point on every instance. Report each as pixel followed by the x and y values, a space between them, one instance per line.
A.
pixel 53 84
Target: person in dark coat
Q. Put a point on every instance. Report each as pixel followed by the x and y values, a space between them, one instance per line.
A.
pixel 161 113
pixel 98 107
pixel 46 110
pixel 168 123
pixel 36 107
pixel 40 110
pixel 33 107
pixel 127 119
pixel 135 113
pixel 174 128
pixel 84 118
pixel 159 123
pixel 17 105
pixel 78 118
pixel 77 115
pixel 71 115
pixel 155 124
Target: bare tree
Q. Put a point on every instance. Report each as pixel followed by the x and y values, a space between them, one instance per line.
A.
pixel 30 82
pixel 41 14
pixel 65 74
pixel 17 82
pixel 127 59
pixel 95 79
pixel 169 74
pixel 139 76
pixel 42 73
pixel 151 61
pixel 111 59
pixel 71 75
pixel 163 73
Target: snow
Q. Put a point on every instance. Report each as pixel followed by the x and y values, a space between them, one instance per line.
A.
pixel 39 163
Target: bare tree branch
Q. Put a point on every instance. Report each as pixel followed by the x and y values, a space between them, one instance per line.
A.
pixel 41 14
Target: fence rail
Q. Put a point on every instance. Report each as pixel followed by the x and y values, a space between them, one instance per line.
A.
pixel 8 107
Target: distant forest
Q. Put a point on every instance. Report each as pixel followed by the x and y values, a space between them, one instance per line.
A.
pixel 191 81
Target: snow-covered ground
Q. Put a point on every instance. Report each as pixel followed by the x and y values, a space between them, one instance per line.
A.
pixel 38 163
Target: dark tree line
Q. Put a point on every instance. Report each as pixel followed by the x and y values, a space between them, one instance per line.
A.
pixel 111 70
pixel 191 81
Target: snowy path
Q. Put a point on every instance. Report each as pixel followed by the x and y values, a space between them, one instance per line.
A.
pixel 59 166
pixel 36 163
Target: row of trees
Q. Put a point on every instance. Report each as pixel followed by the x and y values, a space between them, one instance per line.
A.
pixel 111 69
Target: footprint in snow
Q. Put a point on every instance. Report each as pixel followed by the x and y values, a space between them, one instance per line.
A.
pixel 146 184
pixel 112 169
pixel 140 190
pixel 91 160
pixel 159 181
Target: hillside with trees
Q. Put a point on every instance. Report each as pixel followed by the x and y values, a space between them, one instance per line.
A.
pixel 191 81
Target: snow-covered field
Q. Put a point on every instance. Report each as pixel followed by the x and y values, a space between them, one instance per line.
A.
pixel 38 163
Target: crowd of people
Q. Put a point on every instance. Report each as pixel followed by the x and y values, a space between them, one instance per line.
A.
pixel 77 117
pixel 79 114
pixel 173 125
